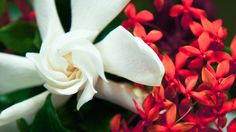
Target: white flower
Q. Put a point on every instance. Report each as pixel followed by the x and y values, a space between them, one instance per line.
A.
pixel 69 63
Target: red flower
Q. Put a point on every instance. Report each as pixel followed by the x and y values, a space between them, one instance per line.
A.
pixel 141 17
pixel 170 124
pixel 187 11
pixel 209 32
pixel 202 53
pixel 217 81
pixel 150 38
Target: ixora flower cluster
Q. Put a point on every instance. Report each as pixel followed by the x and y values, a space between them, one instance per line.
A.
pixel 70 62
pixel 194 94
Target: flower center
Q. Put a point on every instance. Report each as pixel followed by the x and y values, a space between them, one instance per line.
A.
pixel 71 71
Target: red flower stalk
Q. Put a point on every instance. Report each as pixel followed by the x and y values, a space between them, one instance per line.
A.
pixel 134 18
pixel 188 12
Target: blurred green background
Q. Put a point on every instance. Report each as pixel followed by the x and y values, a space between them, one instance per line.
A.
pixel 226 9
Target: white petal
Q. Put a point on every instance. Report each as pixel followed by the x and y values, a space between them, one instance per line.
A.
pixel 29 107
pixel 46 13
pixel 17 72
pixel 86 95
pixel 131 58
pixel 22 109
pixel 121 94
pixel 94 15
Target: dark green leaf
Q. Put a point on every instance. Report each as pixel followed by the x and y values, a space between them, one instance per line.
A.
pixel 47 119
pixel 19 37
pixel 37 40
pixel 94 116
pixel 22 125
pixel 9 99
pixel 64 12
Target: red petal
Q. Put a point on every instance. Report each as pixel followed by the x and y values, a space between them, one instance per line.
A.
pixel 159 93
pixel 196 28
pixel 186 20
pixel 154 48
pixel 196 63
pixel 211 69
pixel 127 24
pixel 233 47
pixel 154 36
pixel 159 4
pixel 139 127
pixel 217 24
pixel 168 64
pixel 157 128
pixel 228 106
pixel 153 114
pixel 191 82
pixel 197 13
pixel 171 115
pixel 226 83
pixel 207 25
pixel 140 111
pixel 183 127
pixel 185 73
pixel 204 97
pixel 139 31
pixel 187 2
pixel 190 50
pixel 232 126
pixel 217 56
pixel 180 60
pixel 130 10
pixel 176 10
pixel 144 16
pixel 115 123
pixel 222 69
pixel 148 103
pixel 204 41
pixel 222 33
pixel 208 78
pixel 182 88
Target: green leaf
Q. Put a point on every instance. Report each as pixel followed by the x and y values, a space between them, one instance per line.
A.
pixel 64 12
pixel 94 116
pixel 22 125
pixel 47 119
pixel 19 37
pixel 37 40
pixel 9 99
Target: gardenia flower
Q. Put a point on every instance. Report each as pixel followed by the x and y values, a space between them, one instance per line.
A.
pixel 70 63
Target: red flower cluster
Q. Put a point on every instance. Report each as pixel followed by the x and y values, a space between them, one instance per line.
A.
pixel 195 91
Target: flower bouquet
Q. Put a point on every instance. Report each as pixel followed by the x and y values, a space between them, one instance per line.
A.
pixel 116 65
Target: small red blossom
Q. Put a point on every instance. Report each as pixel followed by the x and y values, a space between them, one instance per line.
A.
pixel 134 18
pixel 150 38
pixel 188 12
pixel 209 32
